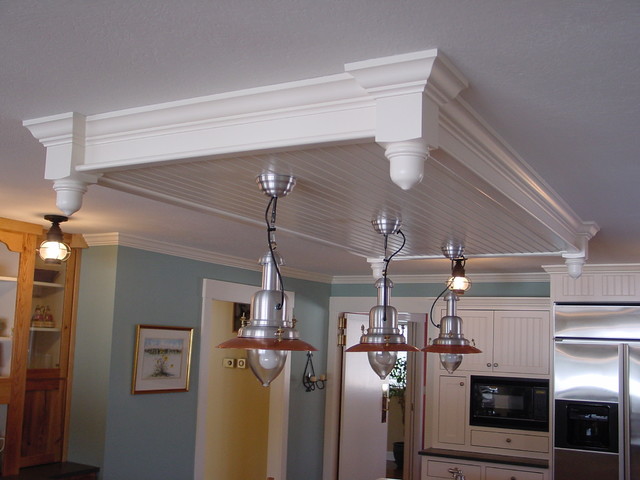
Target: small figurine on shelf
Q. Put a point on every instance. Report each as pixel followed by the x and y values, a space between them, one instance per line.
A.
pixel 42 317
pixel 37 316
pixel 48 317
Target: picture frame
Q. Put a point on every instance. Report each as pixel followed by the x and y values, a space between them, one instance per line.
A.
pixel 162 360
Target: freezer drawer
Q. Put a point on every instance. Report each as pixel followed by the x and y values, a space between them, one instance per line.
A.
pixel 578 464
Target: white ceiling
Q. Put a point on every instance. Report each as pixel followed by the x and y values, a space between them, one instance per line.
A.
pixel 558 81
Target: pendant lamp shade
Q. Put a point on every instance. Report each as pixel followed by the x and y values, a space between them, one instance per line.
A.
pixel 451 344
pixel 383 339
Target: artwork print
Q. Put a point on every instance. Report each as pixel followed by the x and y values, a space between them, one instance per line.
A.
pixel 162 359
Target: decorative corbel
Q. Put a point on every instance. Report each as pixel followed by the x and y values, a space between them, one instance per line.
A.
pixel 575 259
pixel 64 138
pixel 408 91
pixel 377 267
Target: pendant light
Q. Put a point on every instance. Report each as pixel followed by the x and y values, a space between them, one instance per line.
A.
pixel 269 334
pixel 53 250
pixel 383 339
pixel 451 344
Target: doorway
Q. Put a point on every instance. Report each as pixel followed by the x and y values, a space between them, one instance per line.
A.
pixel 216 296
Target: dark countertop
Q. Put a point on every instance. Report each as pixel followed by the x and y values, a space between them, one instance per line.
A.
pixel 53 471
pixel 486 457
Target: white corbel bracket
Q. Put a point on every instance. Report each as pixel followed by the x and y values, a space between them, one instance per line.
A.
pixel 575 259
pixel 64 137
pixel 377 267
pixel 409 91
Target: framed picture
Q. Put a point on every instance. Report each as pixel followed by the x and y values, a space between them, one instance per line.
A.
pixel 162 359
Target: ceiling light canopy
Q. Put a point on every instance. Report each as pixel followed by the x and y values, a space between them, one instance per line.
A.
pixel 53 250
pixel 269 334
pixel 383 339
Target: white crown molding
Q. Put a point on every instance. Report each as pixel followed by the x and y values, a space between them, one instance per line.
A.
pixel 165 248
pixel 534 277
pixel 464 134
pixel 611 268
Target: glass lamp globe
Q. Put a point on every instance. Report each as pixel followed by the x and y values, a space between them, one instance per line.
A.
pixel 266 365
pixel 450 361
pixel 382 362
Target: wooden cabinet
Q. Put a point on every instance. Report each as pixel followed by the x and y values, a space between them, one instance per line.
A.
pixel 515 342
pixel 437 468
pixel 37 304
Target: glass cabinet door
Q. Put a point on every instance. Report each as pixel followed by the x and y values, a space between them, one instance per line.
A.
pixel 47 315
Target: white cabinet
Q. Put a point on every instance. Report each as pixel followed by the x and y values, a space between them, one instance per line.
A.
pixel 437 468
pixel 515 342
pixel 453 401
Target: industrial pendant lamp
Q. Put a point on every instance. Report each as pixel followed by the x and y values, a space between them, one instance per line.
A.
pixel 53 250
pixel 451 344
pixel 269 334
pixel 383 339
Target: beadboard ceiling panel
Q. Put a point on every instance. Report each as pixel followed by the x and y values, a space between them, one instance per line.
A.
pixel 339 189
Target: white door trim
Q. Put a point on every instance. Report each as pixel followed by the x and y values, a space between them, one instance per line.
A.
pixel 279 395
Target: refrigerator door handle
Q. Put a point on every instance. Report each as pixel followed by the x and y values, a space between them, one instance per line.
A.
pixel 631 412
pixel 625 427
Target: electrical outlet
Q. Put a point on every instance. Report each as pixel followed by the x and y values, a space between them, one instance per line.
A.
pixel 229 363
pixel 242 363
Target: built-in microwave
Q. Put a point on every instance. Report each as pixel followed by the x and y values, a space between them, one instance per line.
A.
pixel 506 402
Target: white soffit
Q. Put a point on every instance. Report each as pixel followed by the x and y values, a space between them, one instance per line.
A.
pixel 333 134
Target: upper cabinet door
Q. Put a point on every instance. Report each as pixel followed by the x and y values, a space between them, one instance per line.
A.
pixel 522 342
pixel 477 327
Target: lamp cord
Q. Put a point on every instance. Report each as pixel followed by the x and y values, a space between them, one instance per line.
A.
pixel 434 304
pixel 271 222
pixel 386 266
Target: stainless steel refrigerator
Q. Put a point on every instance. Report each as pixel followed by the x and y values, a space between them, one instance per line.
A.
pixel 597 392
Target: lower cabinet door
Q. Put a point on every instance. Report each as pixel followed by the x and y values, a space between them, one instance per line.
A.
pixel 438 469
pixel 42 423
pixel 494 473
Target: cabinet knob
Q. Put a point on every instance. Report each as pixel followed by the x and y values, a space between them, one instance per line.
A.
pixel 508 440
pixel 495 364
pixel 514 478
pixel 462 384
pixel 489 364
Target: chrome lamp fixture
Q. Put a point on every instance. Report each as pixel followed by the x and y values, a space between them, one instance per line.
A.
pixel 383 339
pixel 53 250
pixel 269 334
pixel 451 344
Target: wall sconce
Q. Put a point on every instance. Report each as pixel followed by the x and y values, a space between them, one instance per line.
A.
pixel 451 344
pixel 383 339
pixel 53 250
pixel 309 379
pixel 269 334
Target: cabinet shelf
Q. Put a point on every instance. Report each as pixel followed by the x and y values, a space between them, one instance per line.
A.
pixel 48 284
pixel 8 279
pixel 44 329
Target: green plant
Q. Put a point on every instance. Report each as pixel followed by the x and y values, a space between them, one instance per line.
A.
pixel 398 383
